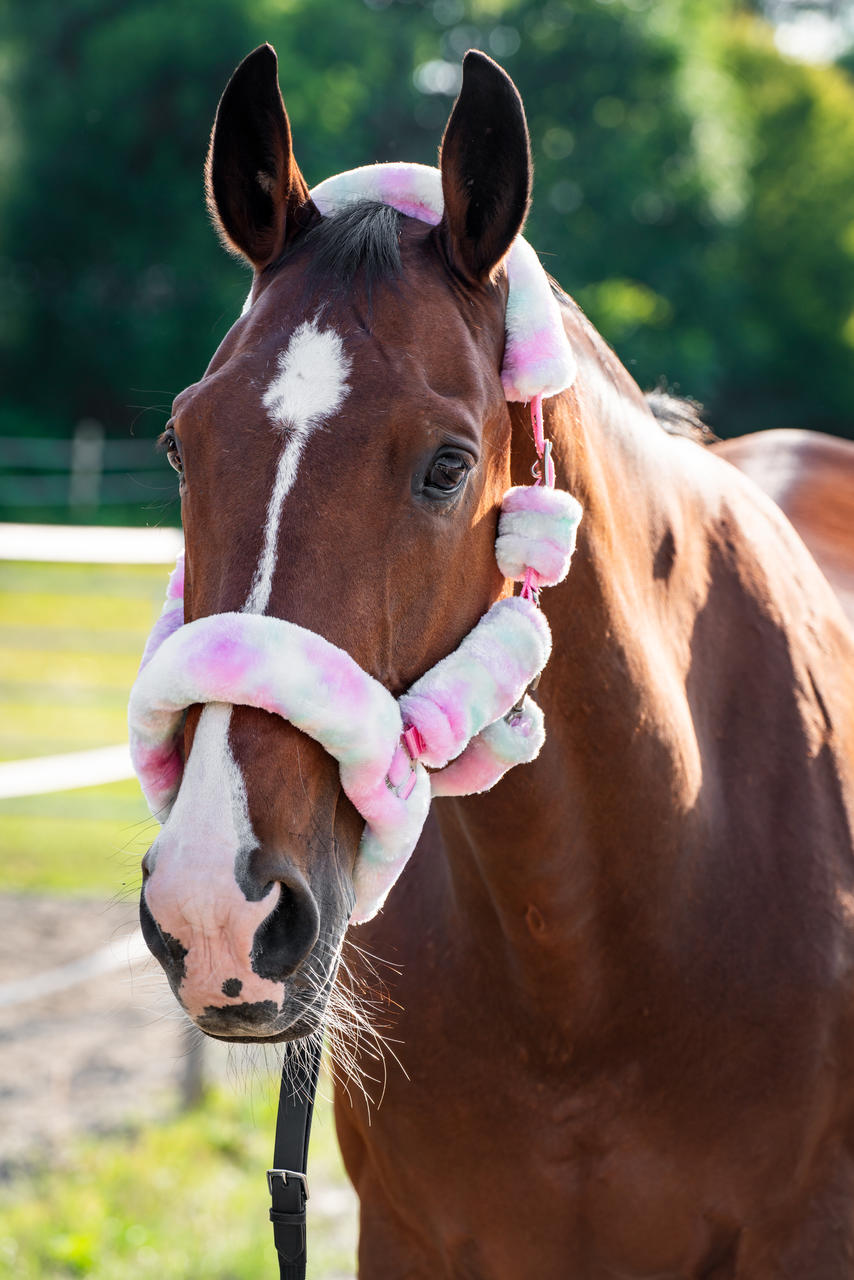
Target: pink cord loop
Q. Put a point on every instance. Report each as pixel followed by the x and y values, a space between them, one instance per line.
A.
pixel 412 746
pixel 544 476
pixel 531 586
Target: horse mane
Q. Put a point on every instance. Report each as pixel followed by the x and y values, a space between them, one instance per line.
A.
pixel 363 237
pixel 679 416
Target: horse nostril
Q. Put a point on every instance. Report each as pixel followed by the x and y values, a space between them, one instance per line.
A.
pixel 290 931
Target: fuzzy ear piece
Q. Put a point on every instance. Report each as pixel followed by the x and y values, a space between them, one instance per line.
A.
pixel 486 168
pixel 256 194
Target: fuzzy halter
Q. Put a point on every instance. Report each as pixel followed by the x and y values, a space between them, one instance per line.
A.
pixel 468 719
pixel 538 359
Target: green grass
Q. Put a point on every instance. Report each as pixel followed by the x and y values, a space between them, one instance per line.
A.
pixel 181 1200
pixel 87 841
pixel 70 641
pixel 186 1200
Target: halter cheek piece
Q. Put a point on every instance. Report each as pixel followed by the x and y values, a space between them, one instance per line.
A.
pixel 468 719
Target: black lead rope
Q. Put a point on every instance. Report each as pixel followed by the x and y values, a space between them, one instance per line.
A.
pixel 287 1180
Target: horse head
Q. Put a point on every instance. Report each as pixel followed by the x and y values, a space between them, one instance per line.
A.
pixel 341 463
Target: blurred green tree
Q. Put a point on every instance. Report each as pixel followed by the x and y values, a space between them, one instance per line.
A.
pixel 693 187
pixel 113 289
pixel 787 349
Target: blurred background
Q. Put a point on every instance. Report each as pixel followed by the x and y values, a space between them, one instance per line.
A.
pixel 694 191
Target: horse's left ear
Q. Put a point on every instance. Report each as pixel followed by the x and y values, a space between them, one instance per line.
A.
pixel 256 194
pixel 486 168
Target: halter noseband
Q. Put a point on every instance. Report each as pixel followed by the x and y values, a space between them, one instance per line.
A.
pixel 468 719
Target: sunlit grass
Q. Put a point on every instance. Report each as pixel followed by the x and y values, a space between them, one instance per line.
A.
pixel 61 671
pixel 70 641
pixel 181 1200
pixel 51 844
pixel 42 721
pixel 185 1200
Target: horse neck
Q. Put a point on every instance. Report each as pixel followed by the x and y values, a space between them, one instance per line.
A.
pixel 538 864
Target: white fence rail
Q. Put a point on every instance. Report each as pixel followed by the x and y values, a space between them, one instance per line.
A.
pixel 89 544
pixel 43 774
pixel 71 770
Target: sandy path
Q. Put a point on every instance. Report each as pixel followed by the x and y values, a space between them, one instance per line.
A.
pixel 104 1052
pixel 90 1057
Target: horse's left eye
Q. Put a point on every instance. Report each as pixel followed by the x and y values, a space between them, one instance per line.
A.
pixel 446 473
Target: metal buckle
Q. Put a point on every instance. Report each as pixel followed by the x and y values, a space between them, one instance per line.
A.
pixel 413 744
pixel 514 716
pixel 286 1175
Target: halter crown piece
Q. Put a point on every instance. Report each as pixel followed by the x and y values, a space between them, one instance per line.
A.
pixel 470 717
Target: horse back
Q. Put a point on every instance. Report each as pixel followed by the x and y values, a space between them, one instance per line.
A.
pixel 811 478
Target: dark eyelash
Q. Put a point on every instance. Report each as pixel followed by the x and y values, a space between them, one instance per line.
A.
pixel 167 434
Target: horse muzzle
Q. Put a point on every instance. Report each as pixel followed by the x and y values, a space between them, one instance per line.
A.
pixel 242 969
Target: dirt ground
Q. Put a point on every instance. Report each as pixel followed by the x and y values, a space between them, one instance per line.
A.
pixel 91 1057
pixel 103 1053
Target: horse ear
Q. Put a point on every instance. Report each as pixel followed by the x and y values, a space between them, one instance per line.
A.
pixel 256 194
pixel 485 160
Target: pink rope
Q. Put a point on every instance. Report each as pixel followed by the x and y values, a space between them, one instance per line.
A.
pixel 546 475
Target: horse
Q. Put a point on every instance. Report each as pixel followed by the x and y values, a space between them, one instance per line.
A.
pixel 618 983
pixel 810 476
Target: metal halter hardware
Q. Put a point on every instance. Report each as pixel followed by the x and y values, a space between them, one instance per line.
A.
pixel 413 745
pixel 287 1175
pixel 543 472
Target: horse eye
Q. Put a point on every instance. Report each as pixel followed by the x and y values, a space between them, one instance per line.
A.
pixel 173 453
pixel 446 473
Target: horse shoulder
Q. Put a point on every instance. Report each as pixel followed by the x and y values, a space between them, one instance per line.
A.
pixel 770 685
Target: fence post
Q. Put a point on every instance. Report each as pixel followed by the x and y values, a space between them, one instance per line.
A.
pixel 193 1073
pixel 87 464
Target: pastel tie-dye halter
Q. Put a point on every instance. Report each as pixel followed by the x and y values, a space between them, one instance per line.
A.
pixel 469 718
pixel 538 359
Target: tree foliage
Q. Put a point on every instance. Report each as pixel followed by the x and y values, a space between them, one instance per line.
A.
pixel 693 187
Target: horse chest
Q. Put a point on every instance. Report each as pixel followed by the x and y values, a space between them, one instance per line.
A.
pixel 511 1175
pixel 507 1143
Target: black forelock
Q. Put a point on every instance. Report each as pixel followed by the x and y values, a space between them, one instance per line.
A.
pixel 362 238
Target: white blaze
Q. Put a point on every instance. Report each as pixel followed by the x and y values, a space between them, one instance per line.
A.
pixel 204 846
pixel 310 384
pixel 195 893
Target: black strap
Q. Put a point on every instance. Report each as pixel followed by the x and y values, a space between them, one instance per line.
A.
pixel 286 1180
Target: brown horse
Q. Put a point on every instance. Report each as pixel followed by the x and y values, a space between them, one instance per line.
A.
pixel 622 979
pixel 811 477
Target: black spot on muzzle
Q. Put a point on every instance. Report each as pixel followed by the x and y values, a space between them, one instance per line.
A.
pixel 238 1019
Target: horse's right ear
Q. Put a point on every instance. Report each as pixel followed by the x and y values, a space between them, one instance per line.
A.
pixel 256 194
